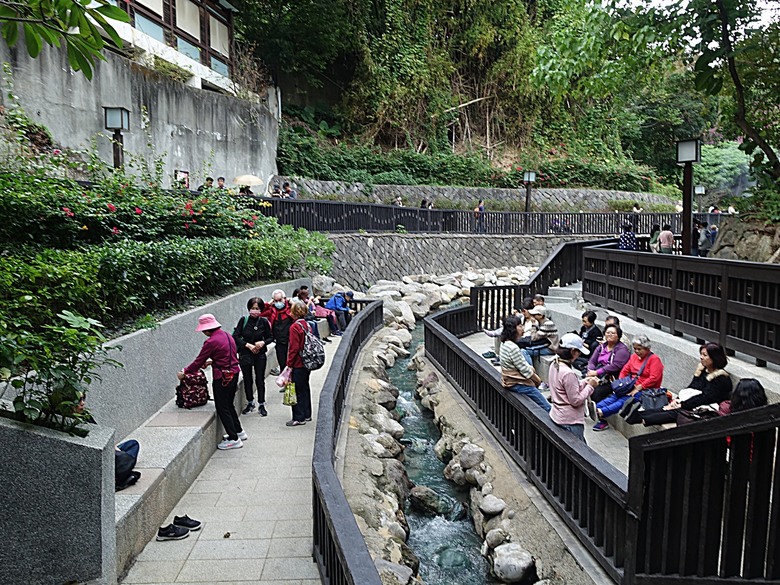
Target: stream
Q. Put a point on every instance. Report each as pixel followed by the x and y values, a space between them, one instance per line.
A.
pixel 447 546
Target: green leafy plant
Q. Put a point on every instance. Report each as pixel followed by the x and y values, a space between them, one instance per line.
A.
pixel 49 370
pixel 172 71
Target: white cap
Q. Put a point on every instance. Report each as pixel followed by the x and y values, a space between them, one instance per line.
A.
pixel 574 341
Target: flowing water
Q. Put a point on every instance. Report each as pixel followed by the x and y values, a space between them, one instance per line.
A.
pixel 447 546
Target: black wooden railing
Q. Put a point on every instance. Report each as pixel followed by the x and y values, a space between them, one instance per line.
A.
pixel 701 504
pixel 736 304
pixel 340 216
pixel 339 549
pixel 562 267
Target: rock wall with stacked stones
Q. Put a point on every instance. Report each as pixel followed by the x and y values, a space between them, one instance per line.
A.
pixel 362 259
pixel 444 197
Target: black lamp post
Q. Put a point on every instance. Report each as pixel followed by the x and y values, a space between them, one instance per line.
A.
pixel 118 120
pixel 688 152
pixel 529 178
pixel 699 190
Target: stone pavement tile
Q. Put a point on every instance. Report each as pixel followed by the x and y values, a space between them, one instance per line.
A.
pixel 215 473
pixel 217 486
pixel 215 571
pixel 169 550
pixel 301 471
pixel 154 572
pixel 255 471
pixel 291 547
pixel 230 548
pixel 285 529
pixel 279 510
pixel 256 529
pixel 266 484
pixel 287 568
pixel 200 500
pixel 207 514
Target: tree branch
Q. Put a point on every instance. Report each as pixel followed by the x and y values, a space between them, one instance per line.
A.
pixel 740 118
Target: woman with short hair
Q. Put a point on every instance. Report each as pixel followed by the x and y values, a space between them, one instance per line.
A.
pixel 301 411
pixel 252 336
pixel 517 375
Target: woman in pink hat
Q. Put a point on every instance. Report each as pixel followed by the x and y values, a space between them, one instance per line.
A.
pixel 219 351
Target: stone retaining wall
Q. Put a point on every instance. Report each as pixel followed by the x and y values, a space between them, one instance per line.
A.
pixel 362 259
pixel 444 197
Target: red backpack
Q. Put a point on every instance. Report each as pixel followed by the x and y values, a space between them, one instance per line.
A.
pixel 192 391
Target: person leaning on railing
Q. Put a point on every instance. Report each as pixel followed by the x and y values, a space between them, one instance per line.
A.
pixel 666 239
pixel 517 375
pixel 711 384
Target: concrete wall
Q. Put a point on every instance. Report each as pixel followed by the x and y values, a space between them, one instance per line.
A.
pixel 127 397
pixel 362 259
pixel 444 197
pixel 56 505
pixel 194 127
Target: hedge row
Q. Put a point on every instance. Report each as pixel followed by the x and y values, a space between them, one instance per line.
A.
pixel 116 282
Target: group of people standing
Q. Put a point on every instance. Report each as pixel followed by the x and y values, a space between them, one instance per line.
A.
pixel 283 322
pixel 586 364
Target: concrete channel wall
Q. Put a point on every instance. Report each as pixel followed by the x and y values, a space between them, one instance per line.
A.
pixel 362 259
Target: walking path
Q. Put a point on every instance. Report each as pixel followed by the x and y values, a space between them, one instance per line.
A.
pixel 255 505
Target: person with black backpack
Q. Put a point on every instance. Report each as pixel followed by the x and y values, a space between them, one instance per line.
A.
pixel 301 340
pixel 253 335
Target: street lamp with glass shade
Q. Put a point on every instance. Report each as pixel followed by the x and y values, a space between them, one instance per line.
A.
pixel 529 178
pixel 688 152
pixel 117 119
pixel 699 190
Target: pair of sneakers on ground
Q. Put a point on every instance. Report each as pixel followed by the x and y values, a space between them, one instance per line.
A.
pixel 181 528
pixel 250 406
pixel 228 443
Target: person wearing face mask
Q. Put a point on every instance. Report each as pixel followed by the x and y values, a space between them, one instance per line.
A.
pixel 219 352
pixel 280 319
pixel 252 335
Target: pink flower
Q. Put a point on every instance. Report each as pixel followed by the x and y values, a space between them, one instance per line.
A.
pixel 115 230
pixel 56 152
pixel 138 211
pixel 68 212
pixel 111 206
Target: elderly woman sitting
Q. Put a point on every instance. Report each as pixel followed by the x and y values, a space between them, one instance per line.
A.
pixel 517 375
pixel 645 367
pixel 711 384
pixel 541 338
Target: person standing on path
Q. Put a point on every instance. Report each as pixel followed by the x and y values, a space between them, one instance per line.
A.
pixel 479 217
pixel 252 336
pixel 219 352
pixel 280 319
pixel 666 239
pixel 301 411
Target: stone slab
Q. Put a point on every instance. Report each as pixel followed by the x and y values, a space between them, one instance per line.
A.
pixel 199 417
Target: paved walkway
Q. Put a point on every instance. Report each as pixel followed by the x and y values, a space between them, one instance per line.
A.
pixel 255 505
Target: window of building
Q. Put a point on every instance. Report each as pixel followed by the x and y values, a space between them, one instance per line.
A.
pixel 187 48
pixel 220 67
pixel 154 5
pixel 149 27
pixel 220 39
pixel 188 17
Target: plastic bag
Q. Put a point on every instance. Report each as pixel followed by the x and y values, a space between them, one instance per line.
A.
pixel 284 378
pixel 290 398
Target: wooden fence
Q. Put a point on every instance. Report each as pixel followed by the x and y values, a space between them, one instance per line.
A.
pixel 701 504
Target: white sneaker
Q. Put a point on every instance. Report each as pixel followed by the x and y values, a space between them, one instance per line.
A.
pixel 242 435
pixel 228 444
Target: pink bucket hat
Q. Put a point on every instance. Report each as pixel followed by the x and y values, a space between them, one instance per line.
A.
pixel 206 322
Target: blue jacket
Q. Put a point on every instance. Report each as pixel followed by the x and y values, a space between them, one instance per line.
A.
pixel 337 303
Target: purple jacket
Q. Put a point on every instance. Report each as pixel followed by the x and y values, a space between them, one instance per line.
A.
pixel 221 348
pixel 606 362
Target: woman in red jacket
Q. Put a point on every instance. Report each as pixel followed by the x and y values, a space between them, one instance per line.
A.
pixel 301 412
pixel 643 365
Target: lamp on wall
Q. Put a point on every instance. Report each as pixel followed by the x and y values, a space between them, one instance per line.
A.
pixel 117 119
pixel 529 178
pixel 688 152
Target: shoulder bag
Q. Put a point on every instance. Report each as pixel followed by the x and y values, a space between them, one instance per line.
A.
pixel 623 386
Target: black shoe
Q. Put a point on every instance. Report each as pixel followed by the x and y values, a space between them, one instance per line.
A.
pixel 250 406
pixel 634 417
pixel 261 410
pixel 326 340
pixel 172 532
pixel 187 522
pixel 626 408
